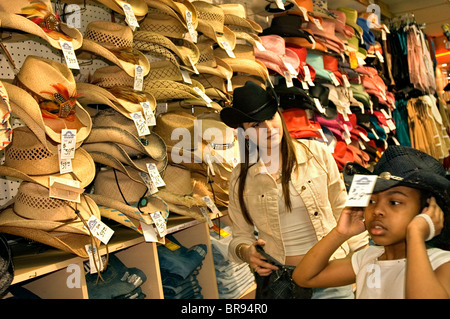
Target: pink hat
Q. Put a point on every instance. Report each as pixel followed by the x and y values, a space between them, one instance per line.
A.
pixel 347 31
pixel 276 54
pixel 328 35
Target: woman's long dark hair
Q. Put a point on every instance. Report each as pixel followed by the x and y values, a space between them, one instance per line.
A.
pixel 289 162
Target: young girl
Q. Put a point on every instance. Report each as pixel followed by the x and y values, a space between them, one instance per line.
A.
pixel 403 215
pixel 292 193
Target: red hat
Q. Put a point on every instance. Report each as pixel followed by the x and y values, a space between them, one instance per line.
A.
pixel 330 63
pixel 342 154
pixel 299 125
pixel 302 53
pixel 357 130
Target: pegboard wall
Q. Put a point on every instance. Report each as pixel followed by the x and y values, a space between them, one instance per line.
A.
pixel 20 46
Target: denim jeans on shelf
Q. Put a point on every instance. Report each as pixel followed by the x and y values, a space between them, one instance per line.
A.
pixel 181 261
pixel 118 281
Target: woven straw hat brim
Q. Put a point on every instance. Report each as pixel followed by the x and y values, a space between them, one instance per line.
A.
pixel 98 49
pixel 160 22
pixel 17 22
pixel 83 171
pixel 222 69
pixel 164 90
pixel 207 30
pixel 182 48
pixel 176 9
pixel 165 70
pixel 93 94
pixel 235 15
pixel 156 147
pixel 154 205
pixel 114 214
pixel 139 7
pixel 192 106
pixel 119 153
pixel 24 106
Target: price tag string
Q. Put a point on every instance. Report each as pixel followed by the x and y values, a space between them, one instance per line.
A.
pixel 123 197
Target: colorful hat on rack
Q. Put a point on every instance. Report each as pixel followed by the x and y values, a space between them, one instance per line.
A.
pixel 320 9
pixel 351 20
pixel 6 130
pixel 288 26
pixel 327 35
pixel 34 215
pixel 45 99
pixel 37 17
pixel 114 42
pixel 177 9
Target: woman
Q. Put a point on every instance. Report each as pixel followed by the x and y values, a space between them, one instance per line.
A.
pixel 292 194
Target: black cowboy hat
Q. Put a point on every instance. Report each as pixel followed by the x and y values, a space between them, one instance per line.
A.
pixel 251 103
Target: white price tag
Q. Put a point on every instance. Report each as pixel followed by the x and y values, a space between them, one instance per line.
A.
pixel 364 137
pixel 68 142
pixel 149 183
pixel 186 76
pixel 94 259
pixel 192 64
pixel 391 124
pixel 161 108
pixel 148 114
pixel 130 18
pixel 69 54
pixel 260 46
pixel 307 73
pixel 319 105
pixel 361 190
pixel 291 69
pixel 65 164
pixel 211 205
pixel 334 79
pixel 65 189
pixel 346 81
pixel 280 4
pixel 99 229
pixel 140 123
pixel 160 223
pixel 228 49
pixel 192 32
pixel 206 215
pixel 154 175
pixel 288 78
pixel 203 96
pixel 138 77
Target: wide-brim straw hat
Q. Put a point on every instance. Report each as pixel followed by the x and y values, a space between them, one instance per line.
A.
pixel 94 94
pixel 235 14
pixel 39 81
pixel 164 90
pixel 211 21
pixel 163 23
pixel 33 214
pixel 111 126
pixel 182 48
pixel 12 17
pixel 29 160
pixel 5 115
pixel 210 64
pixel 176 9
pixel 117 37
pixel 244 62
pixel 139 7
pixel 128 198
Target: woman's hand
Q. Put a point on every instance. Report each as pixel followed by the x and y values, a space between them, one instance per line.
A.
pixel 420 226
pixel 351 221
pixel 257 261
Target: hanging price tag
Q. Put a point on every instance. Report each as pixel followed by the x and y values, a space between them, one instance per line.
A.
pixel 228 49
pixel 69 54
pixel 206 215
pixel 138 77
pixel 319 105
pixel 346 81
pixel 280 4
pixel 154 175
pixel 186 77
pixel 130 18
pixel 140 123
pixel 260 46
pixel 203 96
pixel 65 189
pixel 160 223
pixel 148 114
pixel 211 205
pixel 68 142
pixel 65 164
pixel 288 78
pixel 192 64
pixel 94 261
pixel 99 229
pixel 361 190
pixel 149 183
pixel 192 32
pixel 334 79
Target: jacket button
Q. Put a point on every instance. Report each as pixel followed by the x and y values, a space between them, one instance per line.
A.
pixel 303 187
pixel 316 213
pixel 262 195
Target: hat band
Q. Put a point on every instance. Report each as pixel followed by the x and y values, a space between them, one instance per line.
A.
pixel 259 108
pixel 388 176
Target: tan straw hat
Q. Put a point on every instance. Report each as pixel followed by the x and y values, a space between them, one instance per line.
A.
pixel 37 18
pixel 139 7
pixel 235 15
pixel 114 42
pixel 163 23
pixel 29 160
pixel 46 99
pixel 176 9
pixel 211 21
pixel 33 214
pixel 123 99
pixel 210 64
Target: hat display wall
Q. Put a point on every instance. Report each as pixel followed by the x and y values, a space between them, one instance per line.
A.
pixel 33 214
pixel 114 42
pixel 45 98
pixel 38 18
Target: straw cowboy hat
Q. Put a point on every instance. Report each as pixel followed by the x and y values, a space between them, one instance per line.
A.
pixel 163 23
pixel 210 64
pixel 38 18
pixel 45 99
pixel 211 21
pixel 177 9
pixel 184 49
pixel 29 160
pixel 139 7
pixel 123 100
pixel 33 214
pixel 5 114
pixel 114 42
pixel 181 193
pixel 235 14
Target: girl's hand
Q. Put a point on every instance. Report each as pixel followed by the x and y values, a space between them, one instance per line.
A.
pixel 351 221
pixel 420 225
pixel 257 261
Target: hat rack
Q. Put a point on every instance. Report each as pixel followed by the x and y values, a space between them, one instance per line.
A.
pixel 19 47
